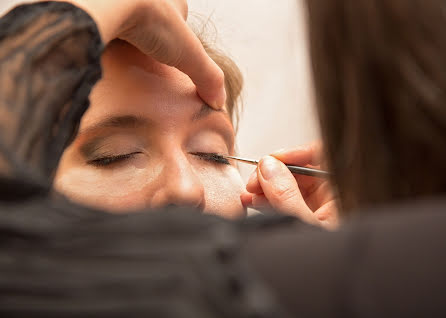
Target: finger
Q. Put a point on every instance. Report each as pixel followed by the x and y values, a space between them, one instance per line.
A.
pixel 328 215
pixel 318 194
pixel 260 202
pixel 256 201
pixel 309 185
pixel 253 185
pixel 281 189
pixel 204 72
pixel 301 156
pixel 168 39
pixel 246 199
pixel 182 7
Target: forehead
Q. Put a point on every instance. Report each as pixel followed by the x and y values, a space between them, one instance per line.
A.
pixel 134 83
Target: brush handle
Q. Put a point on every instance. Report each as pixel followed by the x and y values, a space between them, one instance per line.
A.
pixel 309 172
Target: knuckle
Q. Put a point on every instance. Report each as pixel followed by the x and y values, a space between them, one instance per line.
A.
pixel 283 193
pixel 179 5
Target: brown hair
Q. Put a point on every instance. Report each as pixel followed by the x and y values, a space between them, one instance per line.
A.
pixel 380 78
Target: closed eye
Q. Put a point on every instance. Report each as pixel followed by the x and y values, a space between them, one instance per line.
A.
pixel 212 157
pixel 111 159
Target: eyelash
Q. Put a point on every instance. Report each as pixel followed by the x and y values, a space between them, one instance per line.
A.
pixel 212 157
pixel 109 160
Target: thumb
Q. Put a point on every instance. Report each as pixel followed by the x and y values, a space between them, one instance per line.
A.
pixel 163 34
pixel 281 189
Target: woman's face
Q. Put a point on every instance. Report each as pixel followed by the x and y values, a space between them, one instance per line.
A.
pixel 134 146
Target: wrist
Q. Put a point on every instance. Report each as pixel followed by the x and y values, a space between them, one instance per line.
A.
pixel 112 17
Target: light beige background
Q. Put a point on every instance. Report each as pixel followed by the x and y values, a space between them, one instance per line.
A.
pixel 267 39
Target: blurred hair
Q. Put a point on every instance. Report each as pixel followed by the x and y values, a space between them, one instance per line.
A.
pixel 380 78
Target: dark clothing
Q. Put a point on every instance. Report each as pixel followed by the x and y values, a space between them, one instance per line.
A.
pixel 49 62
pixel 390 265
pixel 58 259
pixel 64 261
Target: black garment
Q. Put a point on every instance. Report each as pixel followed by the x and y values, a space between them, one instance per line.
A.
pixel 49 62
pixel 58 259
pixel 389 263
pixel 62 261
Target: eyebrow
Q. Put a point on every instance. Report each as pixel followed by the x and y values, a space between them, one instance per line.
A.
pixel 128 121
pixel 131 121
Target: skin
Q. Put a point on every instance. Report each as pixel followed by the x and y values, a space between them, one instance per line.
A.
pixel 273 186
pixel 158 29
pixel 152 113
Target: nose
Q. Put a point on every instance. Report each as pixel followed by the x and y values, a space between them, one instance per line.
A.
pixel 179 186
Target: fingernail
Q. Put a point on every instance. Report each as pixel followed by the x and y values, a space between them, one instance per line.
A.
pixel 270 167
pixel 221 100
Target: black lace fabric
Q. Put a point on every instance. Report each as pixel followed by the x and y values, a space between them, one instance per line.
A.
pixel 49 61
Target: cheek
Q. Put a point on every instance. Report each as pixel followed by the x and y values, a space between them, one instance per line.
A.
pixel 132 188
pixel 116 191
pixel 222 192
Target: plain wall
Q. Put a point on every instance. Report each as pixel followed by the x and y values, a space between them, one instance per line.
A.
pixel 267 39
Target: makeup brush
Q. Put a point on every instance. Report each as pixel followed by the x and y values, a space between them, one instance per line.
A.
pixel 294 169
